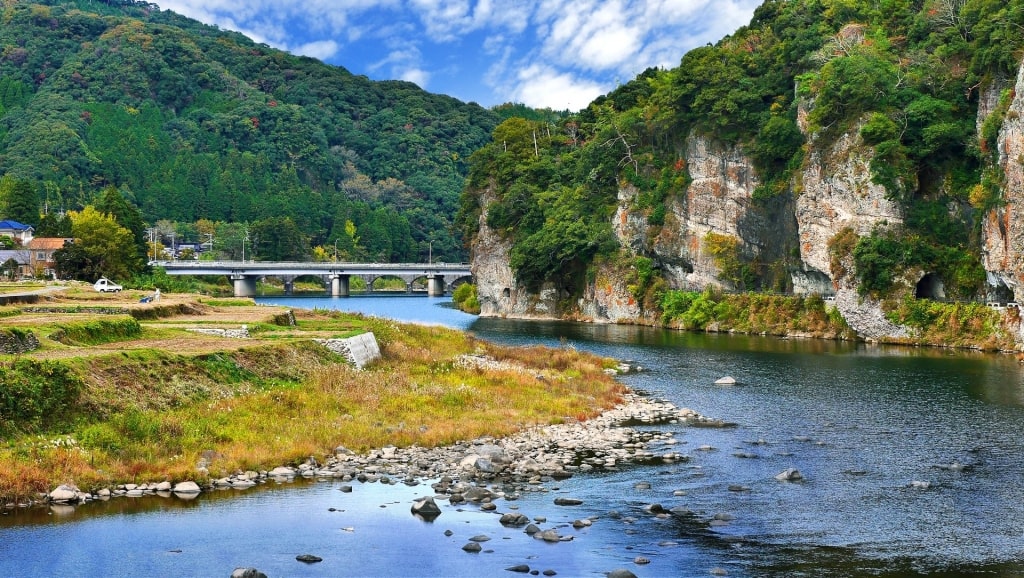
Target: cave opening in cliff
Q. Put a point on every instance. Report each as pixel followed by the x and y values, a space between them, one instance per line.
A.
pixel 930 287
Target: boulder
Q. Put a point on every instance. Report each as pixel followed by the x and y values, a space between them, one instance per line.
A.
pixel 513 519
pixel 188 487
pixel 521 568
pixel 247 573
pixel 620 573
pixel 281 472
pixel 472 547
pixel 309 558
pixel 727 380
pixel 164 486
pixel 426 508
pixel 64 493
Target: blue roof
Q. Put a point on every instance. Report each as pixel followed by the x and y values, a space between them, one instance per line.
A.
pixel 14 225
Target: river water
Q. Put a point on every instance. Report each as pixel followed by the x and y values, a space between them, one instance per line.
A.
pixel 868 426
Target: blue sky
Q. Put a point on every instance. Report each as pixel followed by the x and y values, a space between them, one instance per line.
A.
pixel 543 53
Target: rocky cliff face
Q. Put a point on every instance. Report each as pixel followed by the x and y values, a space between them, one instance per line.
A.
pixel 1003 227
pixel 718 200
pixel 836 192
pixel 499 293
pixel 833 192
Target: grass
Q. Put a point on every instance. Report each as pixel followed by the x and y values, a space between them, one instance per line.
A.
pixel 149 413
pixel 7 287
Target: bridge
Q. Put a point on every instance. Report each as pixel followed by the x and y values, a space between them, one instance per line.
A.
pixel 243 274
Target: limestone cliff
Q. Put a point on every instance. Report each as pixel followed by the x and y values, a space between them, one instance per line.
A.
pixel 718 201
pixel 1003 227
pixel 499 293
pixel 836 192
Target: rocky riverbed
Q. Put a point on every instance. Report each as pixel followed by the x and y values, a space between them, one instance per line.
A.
pixel 488 474
pixel 520 463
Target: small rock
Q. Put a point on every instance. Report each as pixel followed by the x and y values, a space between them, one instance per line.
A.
pixel 641 560
pixel 567 502
pixel 549 573
pixel 522 568
pixel 309 558
pixel 247 573
pixel 789 475
pixel 620 573
pixel 345 488
pixel 472 547
pixel 480 538
pixel 727 380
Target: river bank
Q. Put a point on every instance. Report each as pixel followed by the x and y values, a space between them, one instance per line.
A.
pixel 106 401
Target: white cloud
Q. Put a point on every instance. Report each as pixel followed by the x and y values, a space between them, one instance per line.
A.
pixel 540 86
pixel 566 50
pixel 320 49
pixel 417 76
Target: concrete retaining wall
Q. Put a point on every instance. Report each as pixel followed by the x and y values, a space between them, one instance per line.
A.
pixel 359 350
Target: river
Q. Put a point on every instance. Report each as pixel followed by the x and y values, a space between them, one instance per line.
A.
pixel 868 427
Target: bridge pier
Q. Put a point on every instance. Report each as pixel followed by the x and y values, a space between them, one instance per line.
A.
pixel 339 286
pixel 435 286
pixel 244 286
pixel 289 285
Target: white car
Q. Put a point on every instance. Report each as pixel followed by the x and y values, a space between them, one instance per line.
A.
pixel 104 285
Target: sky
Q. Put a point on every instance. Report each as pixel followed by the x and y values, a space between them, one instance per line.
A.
pixel 558 54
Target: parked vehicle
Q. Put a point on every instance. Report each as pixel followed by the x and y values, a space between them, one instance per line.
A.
pixel 104 285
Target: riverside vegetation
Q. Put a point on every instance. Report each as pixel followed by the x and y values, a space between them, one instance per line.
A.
pixel 123 392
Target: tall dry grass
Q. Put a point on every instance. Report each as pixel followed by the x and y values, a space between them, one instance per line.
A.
pixel 259 408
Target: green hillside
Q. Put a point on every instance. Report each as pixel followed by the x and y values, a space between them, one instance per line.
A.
pixel 191 122
pixel 908 73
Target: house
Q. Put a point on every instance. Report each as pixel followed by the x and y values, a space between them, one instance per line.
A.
pixel 16 230
pixel 41 251
pixel 22 264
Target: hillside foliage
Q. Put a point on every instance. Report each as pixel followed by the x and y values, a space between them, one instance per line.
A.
pixel 906 75
pixel 191 122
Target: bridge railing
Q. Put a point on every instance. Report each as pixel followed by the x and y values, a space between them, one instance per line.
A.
pixel 318 265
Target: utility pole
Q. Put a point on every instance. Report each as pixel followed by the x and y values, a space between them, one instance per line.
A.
pixel 430 252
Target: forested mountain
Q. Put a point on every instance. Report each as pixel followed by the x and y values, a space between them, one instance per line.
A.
pixel 827 144
pixel 191 122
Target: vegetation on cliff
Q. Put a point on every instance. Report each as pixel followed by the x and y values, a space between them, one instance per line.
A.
pixel 904 76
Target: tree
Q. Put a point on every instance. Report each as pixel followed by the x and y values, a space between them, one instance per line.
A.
pixel 112 202
pixel 22 202
pixel 101 248
pixel 278 239
pixel 9 269
pixel 54 225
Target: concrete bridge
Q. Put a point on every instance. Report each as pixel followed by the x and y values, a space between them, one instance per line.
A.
pixel 243 274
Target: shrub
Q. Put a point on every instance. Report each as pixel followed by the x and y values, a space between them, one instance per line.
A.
pixel 33 391
pixel 97 331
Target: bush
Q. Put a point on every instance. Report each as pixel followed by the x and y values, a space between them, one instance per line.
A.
pixel 32 392
pixel 465 298
pixel 98 331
